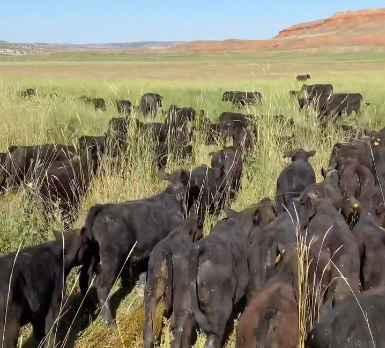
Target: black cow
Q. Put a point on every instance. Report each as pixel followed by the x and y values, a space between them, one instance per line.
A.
pixel 29 92
pixel 235 125
pixel 357 322
pixel 127 232
pixel 62 183
pixel 370 238
pixel 32 283
pixel 150 103
pixel 295 177
pixel 230 161
pixel 160 277
pixel 99 104
pixel 337 104
pixel 242 98
pixel 124 106
pixel 328 230
pixel 219 273
pixel 23 161
pixel 303 77
pixel 203 192
pixel 311 91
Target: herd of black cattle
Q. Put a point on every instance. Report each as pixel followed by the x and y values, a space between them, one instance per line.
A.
pixel 249 261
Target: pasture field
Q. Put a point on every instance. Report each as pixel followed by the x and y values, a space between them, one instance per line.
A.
pixel 197 81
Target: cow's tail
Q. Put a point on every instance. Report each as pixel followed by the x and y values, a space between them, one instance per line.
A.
pixel 200 317
pixel 91 256
pixel 169 285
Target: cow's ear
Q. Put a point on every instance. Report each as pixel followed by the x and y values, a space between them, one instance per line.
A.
pixel 311 153
pixel 184 177
pixel 230 212
pixel 288 154
pixel 58 235
pixel 162 175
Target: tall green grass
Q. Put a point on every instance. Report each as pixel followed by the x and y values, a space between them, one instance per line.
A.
pixel 63 119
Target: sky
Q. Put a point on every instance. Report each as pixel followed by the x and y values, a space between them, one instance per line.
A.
pixel 102 21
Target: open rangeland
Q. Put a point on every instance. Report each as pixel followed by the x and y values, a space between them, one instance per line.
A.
pixel 196 81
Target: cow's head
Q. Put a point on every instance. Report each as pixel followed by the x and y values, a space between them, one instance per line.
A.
pixel 299 154
pixel 179 182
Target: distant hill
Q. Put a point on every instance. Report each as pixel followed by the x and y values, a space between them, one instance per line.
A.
pixel 7 48
pixel 364 28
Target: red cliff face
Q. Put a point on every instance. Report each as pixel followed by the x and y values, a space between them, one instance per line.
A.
pixel 350 23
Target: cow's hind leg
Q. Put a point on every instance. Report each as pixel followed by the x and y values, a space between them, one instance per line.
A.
pixel 218 314
pixel 152 297
pixel 109 271
pixel 52 319
pixel 10 334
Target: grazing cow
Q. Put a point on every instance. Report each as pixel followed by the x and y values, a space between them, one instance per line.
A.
pixel 242 98
pixel 150 103
pixel 303 77
pixel 203 192
pixel 235 126
pixel 370 238
pixel 337 104
pixel 328 230
pixel 131 229
pixel 271 318
pixel 219 273
pixel 294 178
pixel 32 284
pixel 124 106
pixel 311 91
pixel 64 182
pixel 160 277
pixel 24 161
pixel 357 322
pixel 29 92
pixel 230 161
pixel 99 104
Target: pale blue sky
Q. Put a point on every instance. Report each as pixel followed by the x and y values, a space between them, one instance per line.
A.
pixel 102 21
